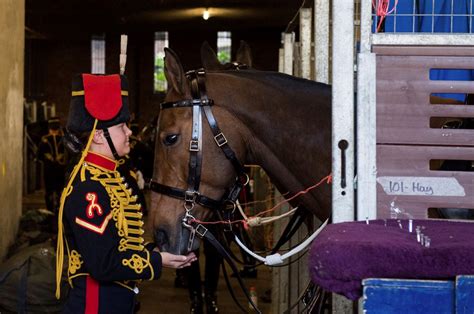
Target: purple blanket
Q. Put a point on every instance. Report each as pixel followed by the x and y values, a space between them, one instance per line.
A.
pixel 346 253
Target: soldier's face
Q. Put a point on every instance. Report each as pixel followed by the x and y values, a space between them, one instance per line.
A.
pixel 120 134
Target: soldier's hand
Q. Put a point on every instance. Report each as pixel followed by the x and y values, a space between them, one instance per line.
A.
pixel 177 261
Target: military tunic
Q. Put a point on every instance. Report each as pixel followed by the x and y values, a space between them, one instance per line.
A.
pixel 106 251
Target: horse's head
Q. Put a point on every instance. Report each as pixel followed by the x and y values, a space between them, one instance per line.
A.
pixel 191 172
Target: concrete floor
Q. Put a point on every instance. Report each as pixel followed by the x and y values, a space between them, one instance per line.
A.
pixel 160 296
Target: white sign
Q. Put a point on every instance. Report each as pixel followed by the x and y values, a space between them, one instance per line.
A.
pixel 431 186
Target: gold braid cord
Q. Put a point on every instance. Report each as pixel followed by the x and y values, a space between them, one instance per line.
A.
pixel 137 263
pixel 126 213
pixel 75 262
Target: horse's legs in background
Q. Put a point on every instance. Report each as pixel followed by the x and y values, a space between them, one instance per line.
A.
pixel 212 268
pixel 212 264
pixel 193 274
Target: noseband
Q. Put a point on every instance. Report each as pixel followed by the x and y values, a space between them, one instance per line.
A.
pixel 201 105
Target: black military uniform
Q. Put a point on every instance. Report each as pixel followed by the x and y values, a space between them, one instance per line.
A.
pixel 100 215
pixel 51 153
pixel 128 170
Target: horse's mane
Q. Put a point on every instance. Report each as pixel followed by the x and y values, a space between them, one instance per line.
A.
pixel 284 89
pixel 279 80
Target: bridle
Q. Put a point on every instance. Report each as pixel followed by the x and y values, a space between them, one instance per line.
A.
pixel 201 105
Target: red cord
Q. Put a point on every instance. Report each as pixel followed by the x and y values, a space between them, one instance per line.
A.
pixel 327 179
pixel 381 8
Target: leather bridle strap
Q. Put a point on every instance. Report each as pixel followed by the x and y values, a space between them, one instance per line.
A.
pixel 221 141
pixel 186 103
pixel 219 137
pixel 203 233
pixel 293 225
pixel 195 144
pixel 180 194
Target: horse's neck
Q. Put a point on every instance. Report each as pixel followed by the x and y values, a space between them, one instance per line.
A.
pixel 288 133
pixel 293 168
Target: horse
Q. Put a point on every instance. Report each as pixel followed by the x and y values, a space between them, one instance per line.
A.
pixel 277 121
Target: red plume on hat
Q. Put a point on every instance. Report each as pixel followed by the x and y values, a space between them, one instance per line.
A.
pixel 101 97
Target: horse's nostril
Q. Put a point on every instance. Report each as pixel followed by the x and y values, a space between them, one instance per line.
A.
pixel 161 239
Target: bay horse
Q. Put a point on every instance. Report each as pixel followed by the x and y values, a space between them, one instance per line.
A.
pixel 277 121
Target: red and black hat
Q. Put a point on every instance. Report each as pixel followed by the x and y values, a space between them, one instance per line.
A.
pixel 101 97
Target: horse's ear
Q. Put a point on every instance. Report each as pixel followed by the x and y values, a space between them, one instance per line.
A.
pixel 174 72
pixel 244 54
pixel 209 58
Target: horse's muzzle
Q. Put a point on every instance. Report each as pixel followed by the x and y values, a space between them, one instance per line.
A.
pixel 162 240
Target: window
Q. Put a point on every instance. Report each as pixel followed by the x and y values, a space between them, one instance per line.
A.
pixel 224 44
pixel 161 41
pixel 98 54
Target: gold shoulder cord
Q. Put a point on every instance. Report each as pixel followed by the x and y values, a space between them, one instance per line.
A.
pixel 66 191
pixel 127 216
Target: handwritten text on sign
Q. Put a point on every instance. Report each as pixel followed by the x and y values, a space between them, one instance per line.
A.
pixel 434 186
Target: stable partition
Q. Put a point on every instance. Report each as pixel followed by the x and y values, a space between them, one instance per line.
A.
pixel 425 137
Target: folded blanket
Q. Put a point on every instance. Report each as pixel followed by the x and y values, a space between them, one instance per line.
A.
pixel 346 253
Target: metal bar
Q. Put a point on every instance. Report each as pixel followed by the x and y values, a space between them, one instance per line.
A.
pixel 452 18
pixel 288 41
pixel 432 15
pixel 366 138
pixel 343 111
pixel 366 121
pixel 470 18
pixel 423 39
pixel 395 17
pixel 321 41
pixel 305 43
pixel 365 26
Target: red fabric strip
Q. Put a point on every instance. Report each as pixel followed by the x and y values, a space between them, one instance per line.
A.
pixel 102 95
pixel 100 161
pixel 92 296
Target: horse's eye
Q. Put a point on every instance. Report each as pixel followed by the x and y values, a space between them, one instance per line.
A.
pixel 170 139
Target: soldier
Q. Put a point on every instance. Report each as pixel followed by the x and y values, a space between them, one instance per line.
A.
pixel 100 221
pixel 51 154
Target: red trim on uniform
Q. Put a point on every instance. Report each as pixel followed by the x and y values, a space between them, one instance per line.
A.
pixel 100 161
pixel 99 229
pixel 102 95
pixel 92 296
pixel 91 197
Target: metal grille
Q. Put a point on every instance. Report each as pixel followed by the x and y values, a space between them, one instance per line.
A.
pixel 427 16
pixel 224 42
pixel 159 79
pixel 98 54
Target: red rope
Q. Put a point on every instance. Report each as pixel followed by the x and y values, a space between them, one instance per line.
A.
pixel 381 8
pixel 327 179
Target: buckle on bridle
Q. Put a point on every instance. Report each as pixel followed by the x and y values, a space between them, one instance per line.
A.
pixel 193 145
pixel 190 196
pixel 220 139
pixel 201 231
